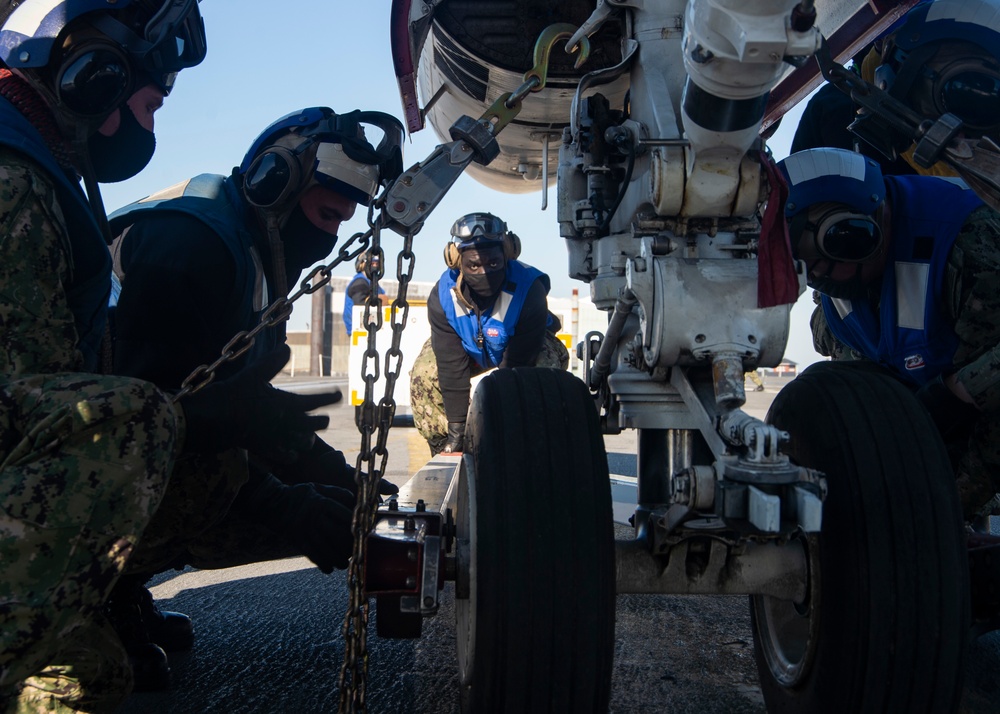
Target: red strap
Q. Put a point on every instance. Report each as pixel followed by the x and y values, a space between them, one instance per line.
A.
pixel 777 281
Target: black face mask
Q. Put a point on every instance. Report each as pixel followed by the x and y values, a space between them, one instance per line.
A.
pixel 850 289
pixel 486 284
pixel 123 154
pixel 304 242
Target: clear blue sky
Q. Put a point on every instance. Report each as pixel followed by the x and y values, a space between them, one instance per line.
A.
pixel 267 59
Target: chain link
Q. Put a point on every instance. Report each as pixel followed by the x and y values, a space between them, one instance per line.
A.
pixel 374 421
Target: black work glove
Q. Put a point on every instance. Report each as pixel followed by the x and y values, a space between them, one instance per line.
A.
pixel 456 438
pixel 951 415
pixel 315 518
pixel 325 465
pixel 246 411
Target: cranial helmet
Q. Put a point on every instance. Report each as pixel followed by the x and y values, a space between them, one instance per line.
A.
pixel 353 154
pixel 964 85
pixel 850 188
pixel 363 260
pixel 87 57
pixel 832 175
pixel 476 230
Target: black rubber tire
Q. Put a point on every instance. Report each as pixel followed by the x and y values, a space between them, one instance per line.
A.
pixel 885 628
pixel 536 633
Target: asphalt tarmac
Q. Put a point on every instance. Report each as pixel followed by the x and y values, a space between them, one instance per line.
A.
pixel 268 635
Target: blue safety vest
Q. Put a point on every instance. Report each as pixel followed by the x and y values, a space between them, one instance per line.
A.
pixel 496 327
pixel 89 282
pixel 910 334
pixel 215 201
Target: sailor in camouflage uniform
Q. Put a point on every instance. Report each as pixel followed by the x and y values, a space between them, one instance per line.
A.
pixel 488 310
pixel 908 271
pixel 84 458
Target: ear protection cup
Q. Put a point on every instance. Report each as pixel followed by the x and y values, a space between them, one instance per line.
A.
pixel 94 80
pixel 272 178
pixel 511 246
pixel 452 256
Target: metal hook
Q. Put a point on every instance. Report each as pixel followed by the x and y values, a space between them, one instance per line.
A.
pixel 543 48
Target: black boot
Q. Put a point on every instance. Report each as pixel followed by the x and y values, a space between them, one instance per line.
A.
pixel 150 668
pixel 147 632
pixel 170 630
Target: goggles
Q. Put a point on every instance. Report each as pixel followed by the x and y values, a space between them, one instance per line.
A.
pixel 478 228
pixel 370 138
pixel 968 88
pixel 972 93
pixel 839 236
pixel 172 40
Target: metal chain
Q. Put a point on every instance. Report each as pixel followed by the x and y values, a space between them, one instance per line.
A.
pixel 375 420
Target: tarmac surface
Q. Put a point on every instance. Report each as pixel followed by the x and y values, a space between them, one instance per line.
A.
pixel 268 635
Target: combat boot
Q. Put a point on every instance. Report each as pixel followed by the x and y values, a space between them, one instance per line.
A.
pixel 170 630
pixel 147 632
pixel 150 668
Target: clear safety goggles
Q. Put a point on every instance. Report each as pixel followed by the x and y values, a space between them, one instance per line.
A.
pixel 172 40
pixel 840 236
pixel 476 228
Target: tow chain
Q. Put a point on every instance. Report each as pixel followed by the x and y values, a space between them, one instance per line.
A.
pixel 375 421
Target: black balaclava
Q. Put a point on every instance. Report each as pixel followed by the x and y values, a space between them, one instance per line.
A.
pixel 123 154
pixel 304 241
pixel 486 285
pixel 851 289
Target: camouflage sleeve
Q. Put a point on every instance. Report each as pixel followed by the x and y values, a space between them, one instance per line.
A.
pixel 823 340
pixel 39 334
pixel 972 300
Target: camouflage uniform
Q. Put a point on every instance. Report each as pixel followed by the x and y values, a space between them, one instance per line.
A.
pixel 755 377
pixel 84 461
pixel 972 304
pixel 426 400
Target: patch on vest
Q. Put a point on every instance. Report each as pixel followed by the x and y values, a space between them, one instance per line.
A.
pixel 492 332
pixel 914 362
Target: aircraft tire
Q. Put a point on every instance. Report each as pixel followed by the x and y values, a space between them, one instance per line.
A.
pixel 535 598
pixel 886 623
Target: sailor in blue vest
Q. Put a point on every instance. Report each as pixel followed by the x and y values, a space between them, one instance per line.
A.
pixel 360 285
pixel 487 310
pixel 908 274
pixel 198 263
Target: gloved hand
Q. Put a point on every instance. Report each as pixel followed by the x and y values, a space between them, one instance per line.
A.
pixel 951 415
pixel 325 465
pixel 315 518
pixel 456 438
pixel 246 411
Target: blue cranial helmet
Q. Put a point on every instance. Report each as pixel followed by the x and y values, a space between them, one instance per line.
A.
pixel 127 43
pixel 832 175
pixel 353 154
